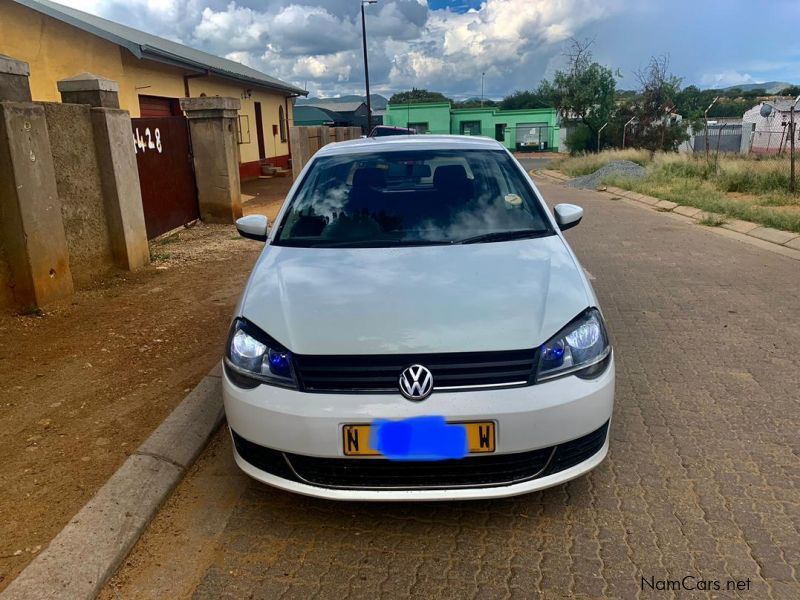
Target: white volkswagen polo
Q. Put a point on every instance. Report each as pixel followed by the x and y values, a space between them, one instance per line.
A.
pixel 417 328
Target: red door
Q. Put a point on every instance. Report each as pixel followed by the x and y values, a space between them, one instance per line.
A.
pixel 166 173
pixel 156 106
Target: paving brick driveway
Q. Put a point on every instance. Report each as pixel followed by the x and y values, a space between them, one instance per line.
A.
pixel 703 478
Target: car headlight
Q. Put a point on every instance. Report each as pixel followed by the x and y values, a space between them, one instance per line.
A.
pixel 581 348
pixel 253 357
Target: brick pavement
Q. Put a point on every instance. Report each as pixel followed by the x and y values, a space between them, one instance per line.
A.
pixel 703 477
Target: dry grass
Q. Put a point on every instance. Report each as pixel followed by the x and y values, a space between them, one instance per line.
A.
pixel 583 164
pixel 753 188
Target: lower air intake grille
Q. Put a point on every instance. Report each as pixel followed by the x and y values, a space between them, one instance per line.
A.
pixel 376 473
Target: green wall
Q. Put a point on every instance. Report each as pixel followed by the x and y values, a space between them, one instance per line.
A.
pixel 484 116
pixel 443 119
pixel 435 114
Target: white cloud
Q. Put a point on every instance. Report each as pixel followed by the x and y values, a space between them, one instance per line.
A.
pixel 726 78
pixel 236 27
pixel 410 44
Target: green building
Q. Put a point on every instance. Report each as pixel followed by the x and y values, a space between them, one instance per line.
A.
pixel 532 130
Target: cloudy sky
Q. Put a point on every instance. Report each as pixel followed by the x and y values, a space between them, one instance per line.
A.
pixel 445 45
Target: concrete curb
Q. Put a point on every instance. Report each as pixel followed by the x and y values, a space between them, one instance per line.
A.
pixel 82 557
pixel 787 241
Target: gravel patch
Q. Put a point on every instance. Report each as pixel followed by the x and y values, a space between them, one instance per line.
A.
pixel 592 181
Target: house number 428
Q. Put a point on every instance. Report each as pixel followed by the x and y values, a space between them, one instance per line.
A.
pixel 147 142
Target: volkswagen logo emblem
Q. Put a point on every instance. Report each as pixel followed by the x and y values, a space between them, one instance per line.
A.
pixel 416 383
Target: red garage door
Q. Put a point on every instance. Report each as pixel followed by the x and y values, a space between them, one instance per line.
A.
pixel 156 106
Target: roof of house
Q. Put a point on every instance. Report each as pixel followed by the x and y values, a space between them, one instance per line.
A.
pixel 304 113
pixel 781 104
pixel 145 45
pixel 339 107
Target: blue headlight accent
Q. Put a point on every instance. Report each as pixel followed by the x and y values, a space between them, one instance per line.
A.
pixel 279 363
pixel 553 355
pixel 582 343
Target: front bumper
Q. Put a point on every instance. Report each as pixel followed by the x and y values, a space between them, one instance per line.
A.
pixel 528 419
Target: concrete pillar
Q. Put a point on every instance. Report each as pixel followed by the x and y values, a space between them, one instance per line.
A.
pixel 86 88
pixel 300 151
pixel 116 158
pixel 14 84
pixel 31 226
pixel 215 146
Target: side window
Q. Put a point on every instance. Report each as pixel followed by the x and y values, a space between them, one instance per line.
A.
pixel 419 127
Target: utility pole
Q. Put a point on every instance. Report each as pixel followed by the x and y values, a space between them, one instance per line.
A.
pixel 482 76
pixel 366 62
pixel 766 111
pixel 792 185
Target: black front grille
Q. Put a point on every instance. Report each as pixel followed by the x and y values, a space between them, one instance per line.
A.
pixel 377 473
pixel 381 473
pixel 575 452
pixel 380 373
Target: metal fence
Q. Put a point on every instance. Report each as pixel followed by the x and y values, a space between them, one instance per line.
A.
pixel 772 141
pixel 725 137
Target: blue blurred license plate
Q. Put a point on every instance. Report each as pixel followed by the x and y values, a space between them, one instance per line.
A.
pixel 480 438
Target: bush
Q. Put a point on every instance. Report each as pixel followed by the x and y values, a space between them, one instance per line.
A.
pixel 753 176
pixel 580 140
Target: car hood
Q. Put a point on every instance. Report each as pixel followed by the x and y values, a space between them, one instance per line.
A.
pixel 460 298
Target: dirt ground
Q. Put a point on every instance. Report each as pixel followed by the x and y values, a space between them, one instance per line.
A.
pixel 84 382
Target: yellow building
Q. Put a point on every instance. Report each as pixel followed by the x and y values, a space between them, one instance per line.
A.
pixel 59 42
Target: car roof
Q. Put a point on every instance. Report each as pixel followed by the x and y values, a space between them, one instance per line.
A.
pixel 397 143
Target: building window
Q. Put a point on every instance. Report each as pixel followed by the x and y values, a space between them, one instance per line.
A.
pixel 243 129
pixel 470 128
pixel 500 132
pixel 419 127
pixel 282 123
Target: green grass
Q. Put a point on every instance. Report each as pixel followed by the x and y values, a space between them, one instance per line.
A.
pixel 740 187
pixel 156 256
pixel 712 220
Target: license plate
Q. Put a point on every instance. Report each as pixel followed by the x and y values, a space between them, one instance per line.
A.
pixel 480 438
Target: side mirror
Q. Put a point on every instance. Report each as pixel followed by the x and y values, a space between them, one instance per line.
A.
pixel 253 227
pixel 567 215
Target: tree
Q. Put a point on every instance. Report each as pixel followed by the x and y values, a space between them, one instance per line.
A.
pixel 475 103
pixel 656 127
pixel 584 93
pixel 538 98
pixel 416 96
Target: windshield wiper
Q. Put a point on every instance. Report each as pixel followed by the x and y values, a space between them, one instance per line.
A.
pixel 378 243
pixel 503 236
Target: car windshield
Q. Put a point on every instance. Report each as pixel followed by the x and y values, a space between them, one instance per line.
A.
pixel 421 197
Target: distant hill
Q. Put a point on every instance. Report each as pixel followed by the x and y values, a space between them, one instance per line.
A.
pixel 771 87
pixel 378 102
